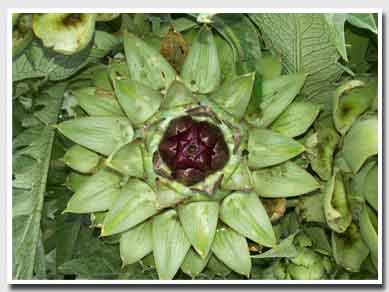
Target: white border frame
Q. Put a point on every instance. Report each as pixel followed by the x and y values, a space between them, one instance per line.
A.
pixel 8 143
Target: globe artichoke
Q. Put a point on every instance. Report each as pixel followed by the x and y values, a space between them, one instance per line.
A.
pixel 176 164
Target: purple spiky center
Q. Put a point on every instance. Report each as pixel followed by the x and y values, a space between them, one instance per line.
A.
pixel 193 149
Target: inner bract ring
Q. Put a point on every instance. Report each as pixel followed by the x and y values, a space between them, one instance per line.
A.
pixel 193 149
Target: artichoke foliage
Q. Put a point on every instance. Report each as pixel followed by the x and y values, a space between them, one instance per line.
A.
pixel 208 224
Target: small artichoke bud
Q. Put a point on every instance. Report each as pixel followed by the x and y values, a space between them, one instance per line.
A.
pixel 66 33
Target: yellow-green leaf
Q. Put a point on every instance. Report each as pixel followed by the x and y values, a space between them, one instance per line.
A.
pixel 268 148
pixel 201 70
pixel 136 243
pixel 296 119
pixel 336 206
pixel 128 160
pixel 135 203
pixel 349 250
pixel 97 193
pixel 361 142
pixel 98 102
pixel 138 101
pixel 170 244
pixel 100 134
pixel 199 220
pixel 232 249
pixel 369 232
pixel 285 180
pixel 277 95
pixel 234 95
pixel 245 213
pixel 147 65
pixel 193 264
pixel 81 159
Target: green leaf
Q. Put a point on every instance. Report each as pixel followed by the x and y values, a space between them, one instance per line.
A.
pixel 135 203
pixel 40 262
pixel 218 267
pixel 370 188
pixel 81 159
pixel 296 119
pixel 239 180
pixel 234 95
pixel 167 196
pixel 350 101
pixel 268 148
pixel 38 61
pixel 304 42
pixel 180 24
pixel 104 43
pixel 245 213
pixel 310 208
pixel 226 59
pixel 26 227
pixel 128 160
pixel 285 180
pixel 308 265
pixel 100 134
pixel 199 220
pixel 277 95
pixel 319 239
pixel 336 206
pixel 177 95
pixel 22 34
pixel 103 264
pixel 321 155
pixel 201 70
pixel 145 64
pixel 243 38
pixel 138 101
pixel 170 244
pixel 285 249
pixel 335 23
pixel 357 48
pixel 275 271
pixel 363 20
pixel 358 187
pixel 231 248
pixel 67 229
pixel 349 249
pixel 106 16
pixel 369 233
pixel 361 142
pixel 271 66
pixel 193 264
pixel 136 243
pixel 75 180
pixel 97 193
pixel 98 102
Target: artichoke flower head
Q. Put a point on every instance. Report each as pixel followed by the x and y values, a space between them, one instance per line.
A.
pixel 173 164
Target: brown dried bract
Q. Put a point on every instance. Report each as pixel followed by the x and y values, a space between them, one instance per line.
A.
pixel 175 49
pixel 275 208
